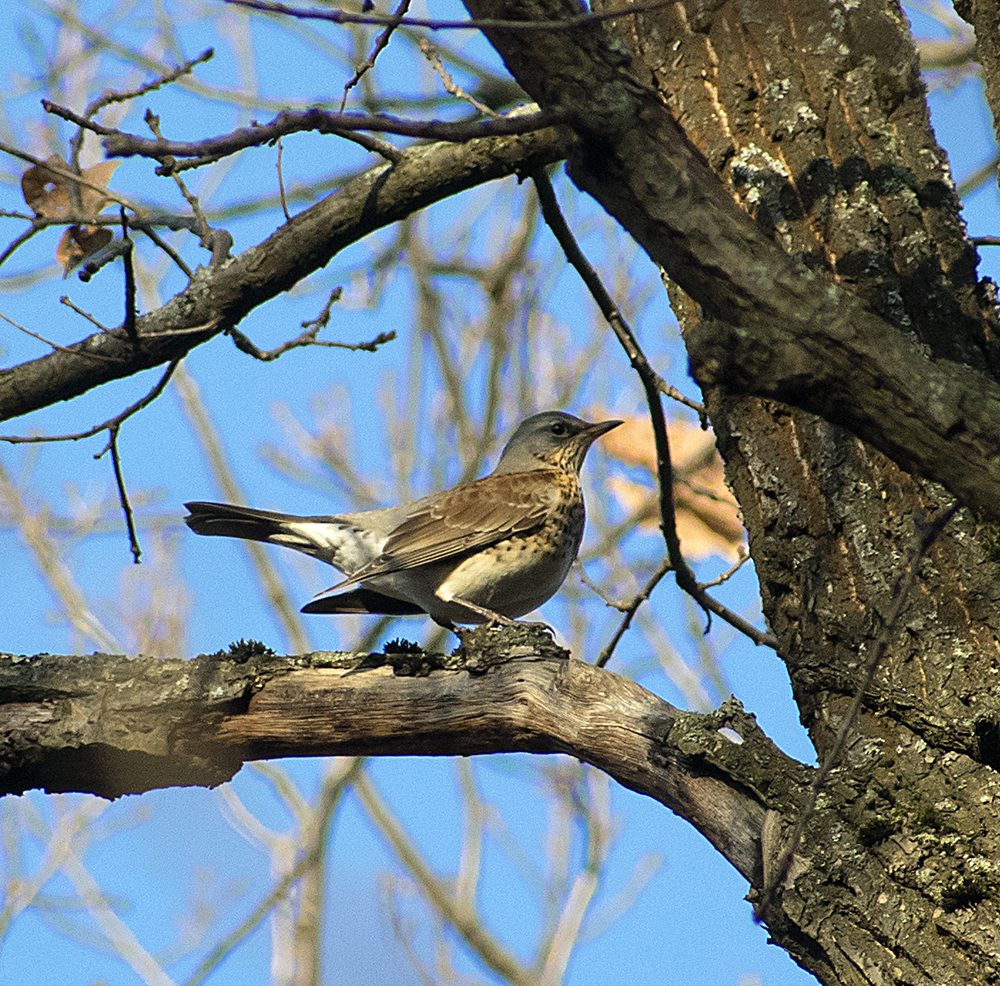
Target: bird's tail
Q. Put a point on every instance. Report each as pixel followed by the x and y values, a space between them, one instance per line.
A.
pixel 231 521
pixel 321 537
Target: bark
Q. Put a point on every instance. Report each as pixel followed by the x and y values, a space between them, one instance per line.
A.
pixel 219 297
pixel 984 16
pixel 638 163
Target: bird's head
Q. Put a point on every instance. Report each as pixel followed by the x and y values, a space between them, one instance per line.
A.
pixel 550 440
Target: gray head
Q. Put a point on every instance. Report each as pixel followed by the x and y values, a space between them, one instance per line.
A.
pixel 551 440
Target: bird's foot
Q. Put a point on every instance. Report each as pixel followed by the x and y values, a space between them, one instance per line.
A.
pixel 490 619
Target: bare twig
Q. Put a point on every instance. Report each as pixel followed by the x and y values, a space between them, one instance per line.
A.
pixel 380 43
pixel 90 318
pixel 430 53
pixel 927 532
pixel 110 96
pixel 323 318
pixel 598 591
pixel 129 324
pixel 133 539
pixel 281 184
pixel 484 23
pixel 307 338
pixel 218 242
pixel 55 345
pixel 729 572
pixel 119 144
pixel 651 384
pixel 675 395
pixel 111 423
pixel 631 610
pixel 374 144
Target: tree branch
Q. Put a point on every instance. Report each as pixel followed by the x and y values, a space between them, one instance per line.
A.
pixel 220 297
pixel 112 725
pixel 785 326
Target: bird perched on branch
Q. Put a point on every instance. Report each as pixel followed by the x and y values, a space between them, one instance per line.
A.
pixel 484 552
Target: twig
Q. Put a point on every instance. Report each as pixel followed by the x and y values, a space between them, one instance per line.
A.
pixel 631 610
pixel 675 395
pixel 380 43
pixel 217 242
pixel 133 539
pixel 651 384
pixel 119 144
pixel 281 184
pixel 729 572
pixel 165 247
pixel 598 591
pixel 114 422
pixel 130 330
pixel 90 318
pixel 323 318
pixel 307 338
pixel 485 23
pixel 430 53
pixel 55 345
pixel 110 96
pixel 374 144
pixel 927 534
pixel 18 242
pixel 986 240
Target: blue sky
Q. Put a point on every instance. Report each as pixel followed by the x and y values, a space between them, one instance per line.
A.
pixel 165 851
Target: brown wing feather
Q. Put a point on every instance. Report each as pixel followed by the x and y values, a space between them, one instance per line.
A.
pixel 472 516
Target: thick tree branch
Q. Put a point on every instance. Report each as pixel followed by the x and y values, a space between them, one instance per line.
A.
pixel 220 297
pixel 935 417
pixel 111 725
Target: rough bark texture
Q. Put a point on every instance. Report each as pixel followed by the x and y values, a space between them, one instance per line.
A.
pixel 814 117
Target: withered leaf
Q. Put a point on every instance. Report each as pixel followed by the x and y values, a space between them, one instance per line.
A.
pixel 47 192
pixel 707 513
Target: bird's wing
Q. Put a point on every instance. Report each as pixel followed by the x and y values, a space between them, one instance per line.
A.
pixel 468 517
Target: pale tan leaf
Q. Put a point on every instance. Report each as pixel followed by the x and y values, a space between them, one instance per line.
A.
pixel 707 513
pixel 47 192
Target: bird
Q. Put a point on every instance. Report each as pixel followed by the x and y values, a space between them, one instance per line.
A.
pixel 484 552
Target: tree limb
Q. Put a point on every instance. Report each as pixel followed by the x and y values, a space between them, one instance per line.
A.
pixel 111 725
pixel 220 297
pixel 785 324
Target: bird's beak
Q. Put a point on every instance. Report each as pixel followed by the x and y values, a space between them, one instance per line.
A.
pixel 595 431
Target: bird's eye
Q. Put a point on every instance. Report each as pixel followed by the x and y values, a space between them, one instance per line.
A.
pixel 558 428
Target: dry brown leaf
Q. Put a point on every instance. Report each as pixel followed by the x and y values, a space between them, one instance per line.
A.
pixel 47 193
pixel 707 514
pixel 78 242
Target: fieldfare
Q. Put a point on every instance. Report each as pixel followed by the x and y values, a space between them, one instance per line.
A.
pixel 484 552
